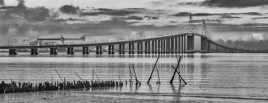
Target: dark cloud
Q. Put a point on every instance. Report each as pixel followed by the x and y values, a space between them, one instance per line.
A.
pixel 235 3
pixel 134 18
pixel 228 16
pixel 112 12
pixel 247 13
pixel 257 18
pixel 189 3
pixel 216 14
pixel 195 14
pixel 182 14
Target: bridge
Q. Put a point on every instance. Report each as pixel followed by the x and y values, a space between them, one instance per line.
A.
pixel 170 44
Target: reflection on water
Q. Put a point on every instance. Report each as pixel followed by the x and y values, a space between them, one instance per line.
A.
pixel 211 77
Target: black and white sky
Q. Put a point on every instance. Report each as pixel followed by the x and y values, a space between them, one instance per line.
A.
pixel 121 19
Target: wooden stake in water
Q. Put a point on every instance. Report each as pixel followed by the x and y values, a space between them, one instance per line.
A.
pixel 59 75
pixel 153 70
pixel 180 77
pixel 158 76
pixel 176 69
pixel 130 73
pixel 136 78
pixel 78 76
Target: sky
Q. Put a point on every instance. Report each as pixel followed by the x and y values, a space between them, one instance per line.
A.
pixel 226 19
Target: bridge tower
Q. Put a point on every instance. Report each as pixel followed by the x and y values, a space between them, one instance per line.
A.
pixel 198 43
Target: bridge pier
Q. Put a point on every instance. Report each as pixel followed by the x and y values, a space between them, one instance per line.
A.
pixel 172 46
pixel 34 51
pixel 53 51
pixel 181 43
pixel 158 46
pixel 168 45
pixel 121 48
pixel 184 41
pixel 12 52
pixel 85 50
pixel 147 49
pixel 190 42
pixel 205 45
pixel 162 46
pixel 99 50
pixel 131 48
pixel 176 45
pixel 153 47
pixel 70 51
pixel 140 47
pixel 110 49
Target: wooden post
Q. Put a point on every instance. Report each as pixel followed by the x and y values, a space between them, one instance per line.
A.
pixel 130 74
pixel 173 76
pixel 136 78
pixel 59 75
pixel 180 77
pixel 158 82
pixel 153 69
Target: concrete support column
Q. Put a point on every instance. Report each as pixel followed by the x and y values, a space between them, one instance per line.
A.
pixel 159 46
pixel 131 48
pixel 111 49
pixel 208 46
pixel 180 44
pixel 183 44
pixel 176 45
pixel 53 51
pixel 85 50
pixel 99 49
pixel 153 47
pixel 34 51
pixel 140 47
pixel 12 52
pixel 70 51
pixel 172 44
pixel 167 45
pixel 164 46
pixel 121 48
pixel 147 47
pixel 205 45
pixel 190 42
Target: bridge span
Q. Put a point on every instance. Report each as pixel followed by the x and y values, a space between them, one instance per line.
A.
pixel 171 44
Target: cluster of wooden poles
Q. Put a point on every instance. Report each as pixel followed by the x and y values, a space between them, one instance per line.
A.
pixel 16 87
pixel 176 71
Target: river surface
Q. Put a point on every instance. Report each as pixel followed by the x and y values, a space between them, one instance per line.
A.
pixel 212 78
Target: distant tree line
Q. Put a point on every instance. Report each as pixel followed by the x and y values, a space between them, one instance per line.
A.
pixel 250 44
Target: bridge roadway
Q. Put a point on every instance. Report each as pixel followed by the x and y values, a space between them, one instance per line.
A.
pixel 179 43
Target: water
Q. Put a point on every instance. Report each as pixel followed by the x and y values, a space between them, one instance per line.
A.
pixel 211 78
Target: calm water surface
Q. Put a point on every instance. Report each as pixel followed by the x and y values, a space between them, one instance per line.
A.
pixel 211 78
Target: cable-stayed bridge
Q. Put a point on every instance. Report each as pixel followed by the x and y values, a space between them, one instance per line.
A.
pixel 171 44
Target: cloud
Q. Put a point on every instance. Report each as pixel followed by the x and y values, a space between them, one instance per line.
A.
pixel 235 3
pixel 112 12
pixel 134 18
